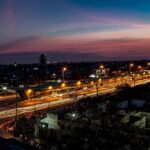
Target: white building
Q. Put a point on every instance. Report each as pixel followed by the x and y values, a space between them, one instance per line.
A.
pixel 51 121
pixel 103 72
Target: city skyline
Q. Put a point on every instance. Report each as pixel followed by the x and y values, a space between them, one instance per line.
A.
pixel 71 29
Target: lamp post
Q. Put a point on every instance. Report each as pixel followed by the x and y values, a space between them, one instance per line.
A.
pixel 130 67
pixel 79 83
pixel 148 65
pixel 143 75
pixel 100 81
pixel 134 80
pixel 97 88
pixel 139 67
pixel 16 107
pixel 92 84
pixel 142 78
pixel 29 91
pixel 64 69
pixel 63 85
pixel 49 88
pixel 101 66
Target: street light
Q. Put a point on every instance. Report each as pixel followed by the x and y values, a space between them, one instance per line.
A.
pixel 50 88
pixel 139 67
pixel 130 67
pixel 101 66
pixel 92 83
pixel 143 77
pixel 97 88
pixel 4 88
pixel 148 65
pixel 78 83
pixel 64 69
pixel 100 80
pixel 16 107
pixel 73 115
pixel 29 91
pixel 134 79
pixel 63 85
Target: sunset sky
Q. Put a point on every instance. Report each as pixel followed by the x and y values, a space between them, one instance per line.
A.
pixel 74 30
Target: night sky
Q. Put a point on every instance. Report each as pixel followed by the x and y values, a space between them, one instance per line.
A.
pixel 74 30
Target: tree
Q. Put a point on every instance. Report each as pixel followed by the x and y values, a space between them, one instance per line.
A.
pixel 43 72
pixel 42 60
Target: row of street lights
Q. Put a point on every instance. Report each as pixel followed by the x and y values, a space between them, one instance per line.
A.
pixel 78 83
pixel 64 69
pixel 63 85
pixel 131 65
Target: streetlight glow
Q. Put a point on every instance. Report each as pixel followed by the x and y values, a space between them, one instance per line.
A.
pixel 92 82
pixel 50 87
pixel 131 65
pixel 64 69
pixel 63 85
pixel 4 88
pixel 73 115
pixel 139 67
pixel 79 83
pixel 100 80
pixel 101 66
pixel 29 91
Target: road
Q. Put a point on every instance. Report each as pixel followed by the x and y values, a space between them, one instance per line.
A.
pixel 55 101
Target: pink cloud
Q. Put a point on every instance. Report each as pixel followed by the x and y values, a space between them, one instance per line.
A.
pixel 8 14
pixel 111 47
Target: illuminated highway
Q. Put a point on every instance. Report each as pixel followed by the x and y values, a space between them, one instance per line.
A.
pixel 62 99
pixel 7 97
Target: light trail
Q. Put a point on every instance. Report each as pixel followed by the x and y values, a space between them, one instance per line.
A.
pixel 32 105
pixel 49 101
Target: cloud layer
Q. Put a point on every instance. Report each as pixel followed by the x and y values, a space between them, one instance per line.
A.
pixel 111 30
